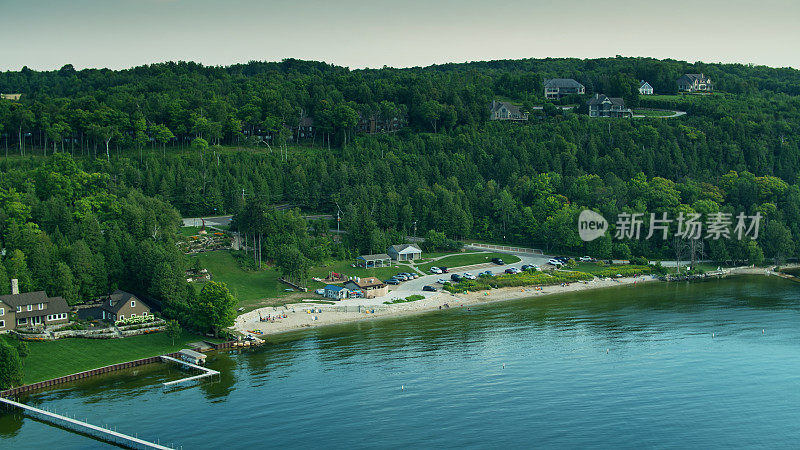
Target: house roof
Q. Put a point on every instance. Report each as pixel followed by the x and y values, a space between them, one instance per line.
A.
pixel 694 77
pixel 332 287
pixel 374 257
pixel 399 248
pixel 118 300
pixel 25 298
pixel 367 282
pixel 512 109
pixel 562 83
pixel 599 99
pixel 643 83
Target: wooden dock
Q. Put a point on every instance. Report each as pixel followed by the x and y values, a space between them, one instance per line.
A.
pixel 206 372
pixel 101 433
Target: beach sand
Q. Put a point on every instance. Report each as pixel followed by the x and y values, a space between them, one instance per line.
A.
pixel 305 315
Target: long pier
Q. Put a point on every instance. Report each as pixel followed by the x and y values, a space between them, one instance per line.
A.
pixel 207 372
pixel 111 436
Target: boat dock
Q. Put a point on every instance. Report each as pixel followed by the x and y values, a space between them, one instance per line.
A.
pixel 206 372
pixel 104 434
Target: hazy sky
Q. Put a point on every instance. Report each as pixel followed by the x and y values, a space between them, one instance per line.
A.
pixel 400 33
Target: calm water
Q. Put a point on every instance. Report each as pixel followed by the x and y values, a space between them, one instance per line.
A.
pixel 624 367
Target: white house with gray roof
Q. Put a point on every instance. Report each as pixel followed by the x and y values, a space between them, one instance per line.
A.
pixel 404 252
pixel 506 111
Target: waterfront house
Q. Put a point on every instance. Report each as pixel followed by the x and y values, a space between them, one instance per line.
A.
pixel 645 88
pixel 603 106
pixel 506 111
pixel 370 287
pixel 31 309
pixel 695 82
pixel 559 87
pixel 118 306
pixel 404 252
pixel 378 260
pixel 335 292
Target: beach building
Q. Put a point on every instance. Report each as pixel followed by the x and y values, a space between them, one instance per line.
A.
pixel 336 292
pixel 404 252
pixel 377 260
pixel 371 287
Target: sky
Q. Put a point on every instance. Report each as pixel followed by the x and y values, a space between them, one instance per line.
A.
pixel 45 35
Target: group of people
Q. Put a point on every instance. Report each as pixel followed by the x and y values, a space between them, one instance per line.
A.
pixel 271 318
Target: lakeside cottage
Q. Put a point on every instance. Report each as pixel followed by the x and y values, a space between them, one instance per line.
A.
pixel 404 252
pixel 559 87
pixel 603 106
pixel 645 88
pixel 506 111
pixel 31 309
pixel 120 305
pixel 695 82
pixel 370 287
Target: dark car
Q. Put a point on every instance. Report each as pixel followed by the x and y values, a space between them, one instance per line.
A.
pixel 391 281
pixel 486 273
pixel 443 269
pixel 429 288
pixel 498 261
pixel 510 270
pixel 455 277
pixel 527 267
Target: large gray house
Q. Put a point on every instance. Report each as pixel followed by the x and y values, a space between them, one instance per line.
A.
pixel 603 106
pixel 31 309
pixel 695 82
pixel 559 87
pixel 506 111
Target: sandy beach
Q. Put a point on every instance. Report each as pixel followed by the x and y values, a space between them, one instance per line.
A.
pixel 300 316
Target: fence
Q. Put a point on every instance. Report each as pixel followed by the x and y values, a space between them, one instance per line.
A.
pixel 507 249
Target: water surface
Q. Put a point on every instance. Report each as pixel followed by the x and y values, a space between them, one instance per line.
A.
pixel 623 367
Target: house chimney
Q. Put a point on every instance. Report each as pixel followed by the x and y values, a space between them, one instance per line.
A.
pixel 14 286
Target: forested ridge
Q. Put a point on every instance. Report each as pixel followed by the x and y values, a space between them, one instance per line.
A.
pixel 187 136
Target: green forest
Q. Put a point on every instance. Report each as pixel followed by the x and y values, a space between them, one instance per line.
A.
pixel 98 165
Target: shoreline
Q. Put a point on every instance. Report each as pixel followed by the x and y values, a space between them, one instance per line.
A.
pixel 298 318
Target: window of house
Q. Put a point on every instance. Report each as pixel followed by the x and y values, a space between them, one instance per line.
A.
pixel 19 308
pixel 22 321
pixel 122 317
pixel 63 315
pixel 2 323
pixel 41 306
pixel 144 313
pixel 133 314
pixel 30 307
pixel 133 303
pixel 2 311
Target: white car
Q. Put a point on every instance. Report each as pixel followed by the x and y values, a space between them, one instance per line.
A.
pixel 443 281
pixel 470 276
pixel 320 291
pixel 555 262
pixel 586 259
pixel 436 270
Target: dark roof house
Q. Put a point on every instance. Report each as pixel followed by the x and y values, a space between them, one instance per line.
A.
pixel 506 111
pixel 120 305
pixel 603 106
pixel 555 88
pixel 35 308
pixel 695 82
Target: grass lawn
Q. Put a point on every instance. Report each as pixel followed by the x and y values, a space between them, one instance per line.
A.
pixel 652 112
pixel 588 267
pixel 66 356
pixel 189 231
pixel 460 259
pixel 250 287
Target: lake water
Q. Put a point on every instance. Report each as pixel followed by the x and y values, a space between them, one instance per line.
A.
pixel 622 367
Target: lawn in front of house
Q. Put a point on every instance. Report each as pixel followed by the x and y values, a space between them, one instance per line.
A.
pixel 250 287
pixel 468 259
pixel 52 359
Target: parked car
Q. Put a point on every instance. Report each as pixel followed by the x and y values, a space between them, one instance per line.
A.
pixel 400 277
pixel 526 267
pixel 436 270
pixel 498 261
pixel 510 270
pixel 429 288
pixel 470 276
pixel 443 269
pixel 486 273
pixel 555 262
pixel 586 259
pixel 442 281
pixel 455 277
pixel 391 281
pixel 320 291
pixel 415 275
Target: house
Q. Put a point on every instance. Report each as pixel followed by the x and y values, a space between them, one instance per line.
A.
pixel 13 97
pixel 603 106
pixel 378 260
pixel 335 292
pixel 645 88
pixel 559 87
pixel 374 123
pixel 31 309
pixel 305 128
pixel 117 306
pixel 404 252
pixel 506 111
pixel 371 287
pixel 695 82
